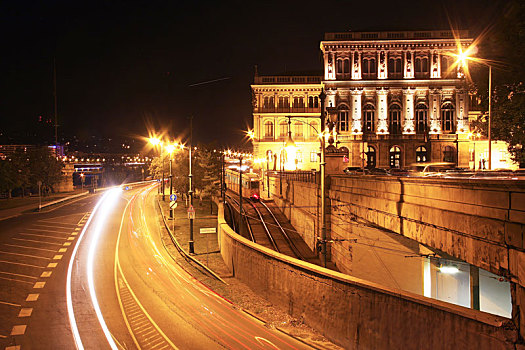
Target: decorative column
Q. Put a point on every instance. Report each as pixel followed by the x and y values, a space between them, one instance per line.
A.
pixel 329 66
pixel 461 112
pixel 409 65
pixel 356 65
pixel 434 109
pixel 408 112
pixel 382 117
pixel 435 65
pixel 382 72
pixel 357 123
pixel 330 97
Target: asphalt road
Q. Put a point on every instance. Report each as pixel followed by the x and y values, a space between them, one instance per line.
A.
pixel 115 286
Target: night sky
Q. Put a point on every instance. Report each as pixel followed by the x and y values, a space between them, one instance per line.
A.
pixel 122 65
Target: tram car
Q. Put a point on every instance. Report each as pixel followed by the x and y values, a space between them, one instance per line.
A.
pixel 250 183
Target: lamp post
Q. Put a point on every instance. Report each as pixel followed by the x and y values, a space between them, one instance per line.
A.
pixel 155 142
pixel 170 148
pixel 322 97
pixel 190 191
pixel 463 56
pixel 240 194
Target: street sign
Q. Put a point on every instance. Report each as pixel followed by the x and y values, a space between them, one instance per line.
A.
pixel 173 197
pixel 191 212
pixel 173 205
pixel 208 230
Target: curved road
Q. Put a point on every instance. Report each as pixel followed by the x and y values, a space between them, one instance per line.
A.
pixel 123 291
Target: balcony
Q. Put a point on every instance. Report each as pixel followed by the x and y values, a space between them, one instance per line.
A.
pixel 287 110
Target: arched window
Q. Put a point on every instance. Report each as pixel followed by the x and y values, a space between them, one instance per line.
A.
pixel 395 119
pixel 283 129
pixel 395 157
pixel 370 157
pixel 446 71
pixel 421 154
pixel 369 118
pixel 421 118
pixel 313 102
pixel 447 117
pixel 339 66
pixel 421 66
pixel 449 154
pixel 342 118
pixel 298 130
pixel 394 67
pixel 314 130
pixel 298 102
pixel 368 67
pixel 268 129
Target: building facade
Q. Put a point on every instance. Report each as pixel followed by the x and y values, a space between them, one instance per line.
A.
pixel 396 98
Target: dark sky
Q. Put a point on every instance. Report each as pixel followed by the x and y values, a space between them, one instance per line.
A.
pixel 123 64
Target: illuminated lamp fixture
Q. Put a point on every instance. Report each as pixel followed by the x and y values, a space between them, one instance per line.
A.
pixel 448 269
pixel 289 142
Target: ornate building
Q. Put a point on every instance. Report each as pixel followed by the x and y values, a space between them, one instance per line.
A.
pixel 396 98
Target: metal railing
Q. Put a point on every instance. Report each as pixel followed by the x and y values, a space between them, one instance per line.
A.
pixel 309 176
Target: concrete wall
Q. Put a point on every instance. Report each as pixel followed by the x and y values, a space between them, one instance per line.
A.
pixel 355 313
pixel 479 221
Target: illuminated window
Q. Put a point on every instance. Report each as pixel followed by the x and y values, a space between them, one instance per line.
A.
pixel 421 154
pixel 298 129
pixel 268 102
pixel 314 130
pixel 283 129
pixel 395 119
pixel 369 112
pixel 313 156
pixel 395 157
pixel 421 118
pixel 342 118
pixel 299 156
pixel 447 117
pixel 268 129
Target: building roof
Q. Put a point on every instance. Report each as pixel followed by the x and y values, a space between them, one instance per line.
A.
pixel 395 35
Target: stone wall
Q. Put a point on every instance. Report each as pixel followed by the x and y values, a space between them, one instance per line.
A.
pixel 355 313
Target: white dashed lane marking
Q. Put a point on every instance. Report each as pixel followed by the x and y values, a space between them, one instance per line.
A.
pixel 51 265
pixel 46 274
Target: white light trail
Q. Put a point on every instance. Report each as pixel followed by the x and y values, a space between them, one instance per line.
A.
pixel 111 196
pixel 108 204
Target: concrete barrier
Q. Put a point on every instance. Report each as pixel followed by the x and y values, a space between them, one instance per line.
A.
pixel 355 313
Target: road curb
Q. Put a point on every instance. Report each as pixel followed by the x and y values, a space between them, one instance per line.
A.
pixel 182 251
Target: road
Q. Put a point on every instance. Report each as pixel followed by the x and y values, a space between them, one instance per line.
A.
pixel 116 286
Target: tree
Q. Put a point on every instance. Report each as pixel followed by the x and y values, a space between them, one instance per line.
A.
pixel 505 48
pixel 44 167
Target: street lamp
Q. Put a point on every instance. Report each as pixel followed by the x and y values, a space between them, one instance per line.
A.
pixel 462 58
pixel 170 148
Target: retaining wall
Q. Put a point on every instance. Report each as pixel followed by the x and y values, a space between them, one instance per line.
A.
pixel 355 313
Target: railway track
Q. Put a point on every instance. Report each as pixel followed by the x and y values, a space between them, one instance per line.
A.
pixel 265 229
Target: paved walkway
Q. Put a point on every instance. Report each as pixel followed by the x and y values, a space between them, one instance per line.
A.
pixel 10 208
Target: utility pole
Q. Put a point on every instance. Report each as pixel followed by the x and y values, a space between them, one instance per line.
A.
pixel 240 195
pixel 162 157
pixel 190 192
pixel 171 184
pixel 223 190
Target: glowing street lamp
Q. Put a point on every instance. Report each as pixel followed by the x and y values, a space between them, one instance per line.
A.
pixel 461 60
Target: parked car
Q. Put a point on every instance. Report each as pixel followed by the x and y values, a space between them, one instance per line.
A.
pixel 354 170
pixel 431 169
pixel 378 171
pixel 399 172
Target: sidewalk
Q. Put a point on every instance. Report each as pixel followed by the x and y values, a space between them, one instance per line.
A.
pixel 13 207
pixel 207 252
